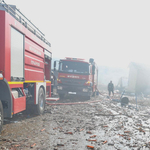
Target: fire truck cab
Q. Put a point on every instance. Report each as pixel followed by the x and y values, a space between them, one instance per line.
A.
pixel 25 64
pixel 77 77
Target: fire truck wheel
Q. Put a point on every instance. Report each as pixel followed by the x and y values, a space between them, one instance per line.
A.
pixel 41 102
pixel 87 97
pixel 61 96
pixel 1 116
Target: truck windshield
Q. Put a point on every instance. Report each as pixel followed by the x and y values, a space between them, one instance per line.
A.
pixel 74 67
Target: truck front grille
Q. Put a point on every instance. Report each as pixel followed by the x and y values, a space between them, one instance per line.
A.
pixel 73 81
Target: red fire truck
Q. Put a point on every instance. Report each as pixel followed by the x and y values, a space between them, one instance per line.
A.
pixel 25 64
pixel 77 77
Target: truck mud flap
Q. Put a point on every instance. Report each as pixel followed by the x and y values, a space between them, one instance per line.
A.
pixel 6 98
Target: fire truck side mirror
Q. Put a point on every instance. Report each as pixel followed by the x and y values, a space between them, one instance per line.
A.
pixel 54 65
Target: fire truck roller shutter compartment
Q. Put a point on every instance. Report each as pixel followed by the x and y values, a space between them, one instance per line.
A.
pixel 17 55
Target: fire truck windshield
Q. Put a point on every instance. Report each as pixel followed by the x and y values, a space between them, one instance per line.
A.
pixel 74 67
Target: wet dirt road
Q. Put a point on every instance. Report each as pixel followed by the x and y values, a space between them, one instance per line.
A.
pixel 103 125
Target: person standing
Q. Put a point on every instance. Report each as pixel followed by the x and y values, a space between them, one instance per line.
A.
pixel 111 88
pixel 53 78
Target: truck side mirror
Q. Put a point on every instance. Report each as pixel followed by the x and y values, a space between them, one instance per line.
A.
pixel 54 65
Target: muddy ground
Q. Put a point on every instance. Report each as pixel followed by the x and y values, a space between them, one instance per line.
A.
pixel 102 125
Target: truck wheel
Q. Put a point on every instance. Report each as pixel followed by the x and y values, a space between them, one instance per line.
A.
pixel 41 101
pixel 1 116
pixel 61 96
pixel 87 97
pixel 93 95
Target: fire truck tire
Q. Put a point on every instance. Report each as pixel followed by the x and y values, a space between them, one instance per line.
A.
pixel 41 102
pixel 61 96
pixel 87 97
pixel 1 116
pixel 93 95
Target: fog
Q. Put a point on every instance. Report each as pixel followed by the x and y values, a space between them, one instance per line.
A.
pixel 114 33
pixel 107 74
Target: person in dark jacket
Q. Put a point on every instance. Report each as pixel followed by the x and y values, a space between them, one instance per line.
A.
pixel 111 88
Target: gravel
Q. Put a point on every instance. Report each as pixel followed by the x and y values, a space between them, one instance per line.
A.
pixel 100 125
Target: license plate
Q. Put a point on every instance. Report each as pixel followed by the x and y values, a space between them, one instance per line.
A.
pixel 72 93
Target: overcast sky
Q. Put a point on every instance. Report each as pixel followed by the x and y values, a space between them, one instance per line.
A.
pixel 113 32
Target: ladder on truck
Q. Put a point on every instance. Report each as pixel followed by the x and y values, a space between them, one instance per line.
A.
pixel 13 11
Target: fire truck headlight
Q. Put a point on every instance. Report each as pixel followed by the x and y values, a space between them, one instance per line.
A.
pixel 88 83
pixel 59 87
pixel 85 90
